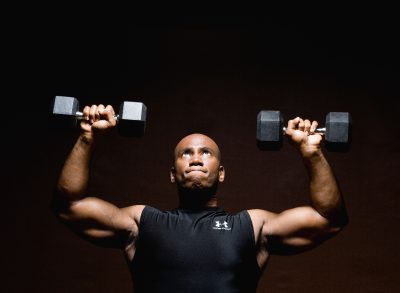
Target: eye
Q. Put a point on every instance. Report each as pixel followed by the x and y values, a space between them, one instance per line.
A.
pixel 206 153
pixel 186 153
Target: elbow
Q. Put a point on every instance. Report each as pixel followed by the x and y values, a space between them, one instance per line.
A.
pixel 344 222
pixel 339 222
pixel 334 221
pixel 60 203
pixel 57 203
pixel 336 216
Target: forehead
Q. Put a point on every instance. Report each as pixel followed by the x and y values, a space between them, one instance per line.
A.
pixel 196 141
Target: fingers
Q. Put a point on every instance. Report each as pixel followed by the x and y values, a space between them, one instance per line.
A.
pixel 108 114
pixel 85 112
pixel 292 124
pixel 314 126
pixel 301 133
pixel 99 112
pixel 92 114
pixel 304 125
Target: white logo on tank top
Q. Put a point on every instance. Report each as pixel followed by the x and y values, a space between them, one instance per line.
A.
pixel 221 226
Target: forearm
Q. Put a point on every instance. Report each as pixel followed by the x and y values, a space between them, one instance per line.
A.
pixel 325 194
pixel 74 177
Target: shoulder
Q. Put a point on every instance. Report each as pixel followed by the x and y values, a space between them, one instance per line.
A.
pixel 134 212
pixel 261 214
pixel 260 217
pixel 141 212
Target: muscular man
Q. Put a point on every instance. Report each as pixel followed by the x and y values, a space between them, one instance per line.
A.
pixel 198 247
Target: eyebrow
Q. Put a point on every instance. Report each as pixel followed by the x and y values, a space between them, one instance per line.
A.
pixel 201 148
pixel 185 150
pixel 178 153
pixel 207 149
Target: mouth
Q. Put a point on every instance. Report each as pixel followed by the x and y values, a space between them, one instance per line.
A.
pixel 191 170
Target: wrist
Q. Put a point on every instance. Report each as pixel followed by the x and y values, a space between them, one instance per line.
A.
pixel 311 153
pixel 86 138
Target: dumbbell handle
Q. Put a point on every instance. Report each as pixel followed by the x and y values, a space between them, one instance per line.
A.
pixel 79 115
pixel 321 130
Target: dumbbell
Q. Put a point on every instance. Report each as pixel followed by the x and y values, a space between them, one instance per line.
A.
pixel 337 130
pixel 131 118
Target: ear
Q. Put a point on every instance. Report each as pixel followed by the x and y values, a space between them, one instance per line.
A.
pixel 172 175
pixel 221 174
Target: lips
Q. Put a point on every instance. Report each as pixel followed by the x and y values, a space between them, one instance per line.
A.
pixel 196 170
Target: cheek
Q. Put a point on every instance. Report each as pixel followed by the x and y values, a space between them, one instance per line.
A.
pixel 213 170
pixel 212 165
pixel 180 169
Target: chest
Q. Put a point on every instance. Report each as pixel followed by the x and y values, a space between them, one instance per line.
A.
pixel 175 242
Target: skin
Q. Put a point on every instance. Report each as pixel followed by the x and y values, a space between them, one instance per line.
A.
pixel 197 171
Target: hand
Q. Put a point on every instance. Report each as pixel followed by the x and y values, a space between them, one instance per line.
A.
pixel 301 134
pixel 97 119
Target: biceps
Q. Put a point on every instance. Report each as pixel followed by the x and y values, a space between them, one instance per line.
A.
pixel 298 228
pixel 98 221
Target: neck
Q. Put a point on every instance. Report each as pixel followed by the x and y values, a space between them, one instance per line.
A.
pixel 197 199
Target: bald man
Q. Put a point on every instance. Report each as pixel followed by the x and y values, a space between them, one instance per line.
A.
pixel 198 247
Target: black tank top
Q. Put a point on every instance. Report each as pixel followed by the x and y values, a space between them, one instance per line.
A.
pixel 195 251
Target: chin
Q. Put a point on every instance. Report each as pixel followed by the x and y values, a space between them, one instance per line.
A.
pixel 196 185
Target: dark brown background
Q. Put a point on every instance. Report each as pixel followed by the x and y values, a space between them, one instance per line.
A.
pixel 210 75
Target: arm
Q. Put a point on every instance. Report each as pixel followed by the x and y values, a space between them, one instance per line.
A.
pixel 92 218
pixel 301 228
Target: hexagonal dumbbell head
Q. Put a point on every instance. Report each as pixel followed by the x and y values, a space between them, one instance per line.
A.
pixel 269 129
pixel 63 111
pixel 338 130
pixel 132 119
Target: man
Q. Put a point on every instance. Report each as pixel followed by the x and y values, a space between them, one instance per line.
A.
pixel 198 247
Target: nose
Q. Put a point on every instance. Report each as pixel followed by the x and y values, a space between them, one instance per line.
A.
pixel 196 160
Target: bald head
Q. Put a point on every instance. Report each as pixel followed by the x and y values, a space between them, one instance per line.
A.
pixel 197 165
pixel 197 170
pixel 197 140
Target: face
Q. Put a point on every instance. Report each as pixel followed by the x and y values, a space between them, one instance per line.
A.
pixel 197 163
